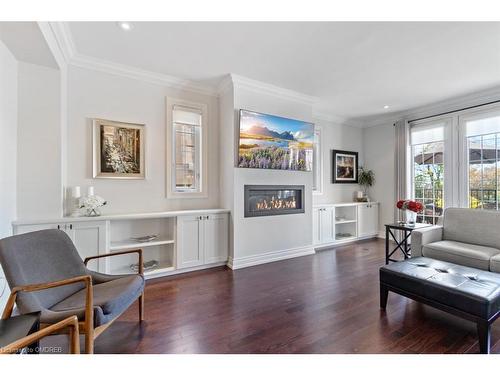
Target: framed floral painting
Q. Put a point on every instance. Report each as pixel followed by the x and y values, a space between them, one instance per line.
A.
pixel 118 150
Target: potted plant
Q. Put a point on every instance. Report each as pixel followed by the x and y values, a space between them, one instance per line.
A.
pixel 366 178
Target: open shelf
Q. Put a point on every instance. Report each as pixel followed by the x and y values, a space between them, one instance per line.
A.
pixel 345 221
pixel 162 268
pixel 131 244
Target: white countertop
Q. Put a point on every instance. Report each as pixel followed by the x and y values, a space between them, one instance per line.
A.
pixel 342 204
pixel 130 216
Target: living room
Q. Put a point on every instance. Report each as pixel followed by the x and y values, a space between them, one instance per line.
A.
pixel 188 187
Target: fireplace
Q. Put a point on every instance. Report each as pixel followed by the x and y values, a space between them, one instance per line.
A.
pixel 265 200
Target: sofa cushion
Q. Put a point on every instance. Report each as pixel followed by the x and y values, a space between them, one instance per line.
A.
pixel 495 263
pixel 461 253
pixel 113 297
pixel 472 226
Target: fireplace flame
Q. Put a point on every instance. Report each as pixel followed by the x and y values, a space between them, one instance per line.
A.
pixel 276 204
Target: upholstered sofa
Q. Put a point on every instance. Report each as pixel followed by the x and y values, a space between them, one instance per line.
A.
pixel 465 236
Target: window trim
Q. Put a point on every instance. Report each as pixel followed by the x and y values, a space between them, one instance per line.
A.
pixel 450 165
pixel 319 166
pixel 202 163
pixel 463 118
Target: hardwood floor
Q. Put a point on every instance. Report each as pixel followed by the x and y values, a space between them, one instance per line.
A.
pixel 323 303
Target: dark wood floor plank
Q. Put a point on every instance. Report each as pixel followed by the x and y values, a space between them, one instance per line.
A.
pixel 323 303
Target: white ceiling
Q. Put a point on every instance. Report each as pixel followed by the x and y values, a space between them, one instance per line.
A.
pixel 353 68
pixel 27 43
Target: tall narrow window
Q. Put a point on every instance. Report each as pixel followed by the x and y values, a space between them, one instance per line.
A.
pixel 483 161
pixel 317 162
pixel 428 169
pixel 185 148
pixel 187 129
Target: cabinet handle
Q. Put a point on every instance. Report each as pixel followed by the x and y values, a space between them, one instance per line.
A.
pixel 71 226
pixel 58 226
pixel 207 217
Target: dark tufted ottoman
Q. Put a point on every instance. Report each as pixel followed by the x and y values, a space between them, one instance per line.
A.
pixel 467 292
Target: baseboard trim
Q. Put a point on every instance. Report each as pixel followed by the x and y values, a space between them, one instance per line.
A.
pixel 272 256
pixel 185 270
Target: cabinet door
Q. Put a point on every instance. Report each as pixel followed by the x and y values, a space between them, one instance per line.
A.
pixel 327 224
pixel 215 241
pixel 316 226
pixel 21 229
pixel 367 219
pixel 189 246
pixel 89 239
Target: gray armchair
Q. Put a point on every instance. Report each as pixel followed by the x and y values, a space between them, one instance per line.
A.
pixel 46 274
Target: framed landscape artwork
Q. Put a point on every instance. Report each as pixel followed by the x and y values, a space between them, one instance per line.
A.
pixel 273 142
pixel 118 150
pixel 345 167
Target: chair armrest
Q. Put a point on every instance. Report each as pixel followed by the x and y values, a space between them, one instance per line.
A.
pixel 139 251
pixel 71 323
pixel 424 236
pixel 89 301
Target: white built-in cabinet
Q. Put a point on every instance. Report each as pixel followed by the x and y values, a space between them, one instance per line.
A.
pixel 323 224
pixel 344 222
pixel 203 239
pixel 368 219
pixel 187 240
pixel 89 237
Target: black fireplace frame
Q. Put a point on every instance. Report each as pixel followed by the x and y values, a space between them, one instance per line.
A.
pixel 289 211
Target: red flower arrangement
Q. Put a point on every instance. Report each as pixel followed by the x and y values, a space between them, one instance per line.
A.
pixel 410 205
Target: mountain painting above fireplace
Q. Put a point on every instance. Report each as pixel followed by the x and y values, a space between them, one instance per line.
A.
pixel 273 142
pixel 266 200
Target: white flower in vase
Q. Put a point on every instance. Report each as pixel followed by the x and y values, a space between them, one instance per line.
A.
pixel 92 204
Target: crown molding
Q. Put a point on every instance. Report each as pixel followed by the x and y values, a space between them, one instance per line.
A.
pixel 449 105
pixel 267 88
pixel 64 39
pixel 126 71
pixel 225 84
pixel 336 119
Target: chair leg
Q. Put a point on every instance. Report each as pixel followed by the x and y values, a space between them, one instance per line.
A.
pixel 384 293
pixel 484 333
pixel 74 339
pixel 89 338
pixel 141 307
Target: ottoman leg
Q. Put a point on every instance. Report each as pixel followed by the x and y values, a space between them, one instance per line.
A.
pixel 384 293
pixel 483 331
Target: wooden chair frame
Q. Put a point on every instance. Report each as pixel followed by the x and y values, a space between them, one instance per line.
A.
pixel 70 324
pixel 87 326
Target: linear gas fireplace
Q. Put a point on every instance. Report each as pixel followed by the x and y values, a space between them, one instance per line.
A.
pixel 265 200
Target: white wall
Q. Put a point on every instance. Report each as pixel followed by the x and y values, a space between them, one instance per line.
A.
pixel 8 151
pixel 379 144
pixel 39 190
pixel 93 94
pixel 8 139
pixel 335 136
pixel 259 235
pixel 227 156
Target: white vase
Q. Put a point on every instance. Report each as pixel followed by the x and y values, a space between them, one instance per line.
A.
pixel 411 217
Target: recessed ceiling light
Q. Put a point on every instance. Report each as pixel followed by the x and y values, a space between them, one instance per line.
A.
pixel 125 25
pixel 386 107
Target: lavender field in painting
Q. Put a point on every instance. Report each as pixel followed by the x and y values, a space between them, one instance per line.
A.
pixel 272 142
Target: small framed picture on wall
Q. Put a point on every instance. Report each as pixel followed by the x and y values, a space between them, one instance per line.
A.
pixel 118 150
pixel 344 167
